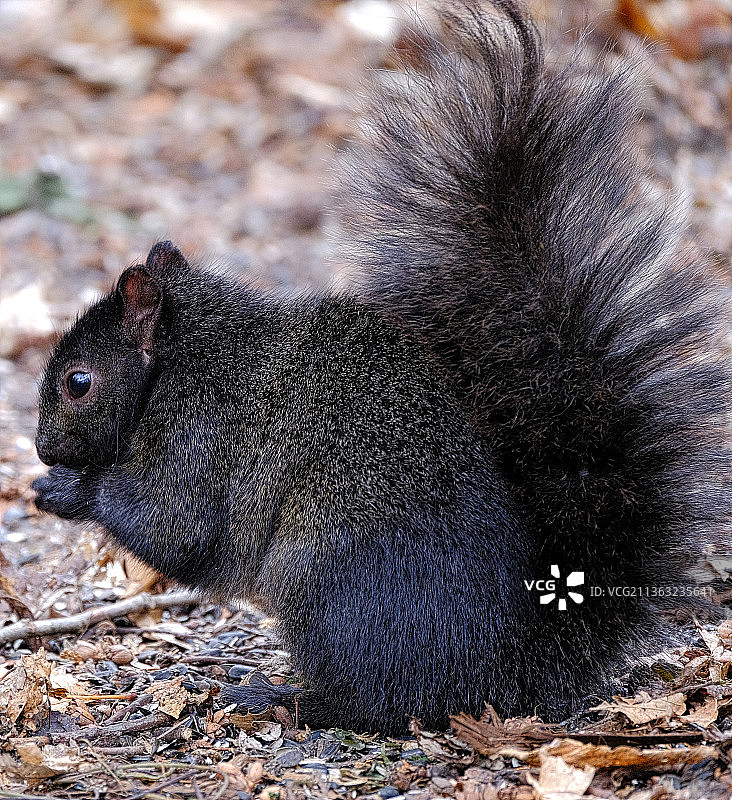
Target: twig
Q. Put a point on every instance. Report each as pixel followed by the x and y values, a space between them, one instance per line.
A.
pixel 247 662
pixel 225 785
pixel 106 768
pixel 130 750
pixel 82 621
pixel 163 785
pixel 120 729
pixel 168 737
pixel 128 709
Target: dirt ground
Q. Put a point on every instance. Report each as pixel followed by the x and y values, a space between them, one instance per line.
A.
pixel 217 124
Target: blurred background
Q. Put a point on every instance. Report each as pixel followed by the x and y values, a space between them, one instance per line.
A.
pixel 217 123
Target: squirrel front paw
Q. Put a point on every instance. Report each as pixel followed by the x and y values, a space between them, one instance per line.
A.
pixel 63 491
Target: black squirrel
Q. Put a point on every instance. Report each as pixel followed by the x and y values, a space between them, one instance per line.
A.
pixel 520 386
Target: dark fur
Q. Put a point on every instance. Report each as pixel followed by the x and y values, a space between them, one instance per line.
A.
pixel 516 386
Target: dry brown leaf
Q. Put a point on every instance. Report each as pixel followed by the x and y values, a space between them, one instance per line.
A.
pixel 268 731
pixel 559 781
pixel 643 708
pixel 119 654
pixel 62 758
pixel 215 721
pixel 28 772
pixel 66 695
pixel 25 691
pixel 254 771
pixel 705 714
pixel 725 633
pixel 9 595
pixel 693 28
pixel 140 577
pixel 29 751
pixel 59 757
pixel 577 754
pixel 237 778
pixel 717 642
pixel 248 722
pixel 284 717
pixel 490 736
pixel 695 666
pixel 443 746
pixel 39 763
pixel 172 698
pixel 83 651
pixel 477 784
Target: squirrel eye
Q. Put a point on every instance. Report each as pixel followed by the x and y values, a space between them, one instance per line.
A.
pixel 78 384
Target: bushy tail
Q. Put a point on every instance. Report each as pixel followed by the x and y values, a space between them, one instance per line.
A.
pixel 501 217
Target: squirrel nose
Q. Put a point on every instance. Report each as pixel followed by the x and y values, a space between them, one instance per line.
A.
pixel 45 447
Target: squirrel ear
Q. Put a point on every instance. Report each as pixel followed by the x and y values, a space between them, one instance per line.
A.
pixel 165 256
pixel 141 301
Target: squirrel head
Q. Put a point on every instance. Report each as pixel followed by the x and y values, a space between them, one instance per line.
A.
pixel 95 384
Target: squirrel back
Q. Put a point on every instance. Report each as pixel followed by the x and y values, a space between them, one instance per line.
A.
pixel 521 390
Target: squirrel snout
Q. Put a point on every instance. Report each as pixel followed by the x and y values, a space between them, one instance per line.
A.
pixel 45 450
pixel 60 449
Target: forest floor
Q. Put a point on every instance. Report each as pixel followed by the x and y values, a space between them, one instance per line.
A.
pixel 217 124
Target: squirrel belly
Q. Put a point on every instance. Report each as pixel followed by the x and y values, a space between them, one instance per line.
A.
pixel 519 389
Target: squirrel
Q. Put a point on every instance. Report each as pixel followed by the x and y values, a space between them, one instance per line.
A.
pixel 519 388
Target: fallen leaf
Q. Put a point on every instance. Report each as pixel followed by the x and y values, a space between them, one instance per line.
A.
pixel 83 651
pixel 643 708
pixel 560 781
pixel 25 691
pixel 172 698
pixel 39 763
pixel 577 754
pixel 705 714
pixel 237 779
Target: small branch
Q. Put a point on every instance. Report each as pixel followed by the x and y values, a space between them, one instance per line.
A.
pixel 163 785
pixel 120 728
pixel 245 662
pixel 118 716
pixel 77 622
pixel 132 750
pixel 488 739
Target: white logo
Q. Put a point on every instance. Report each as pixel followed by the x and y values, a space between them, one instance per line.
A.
pixel 549 586
pixel 573 579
